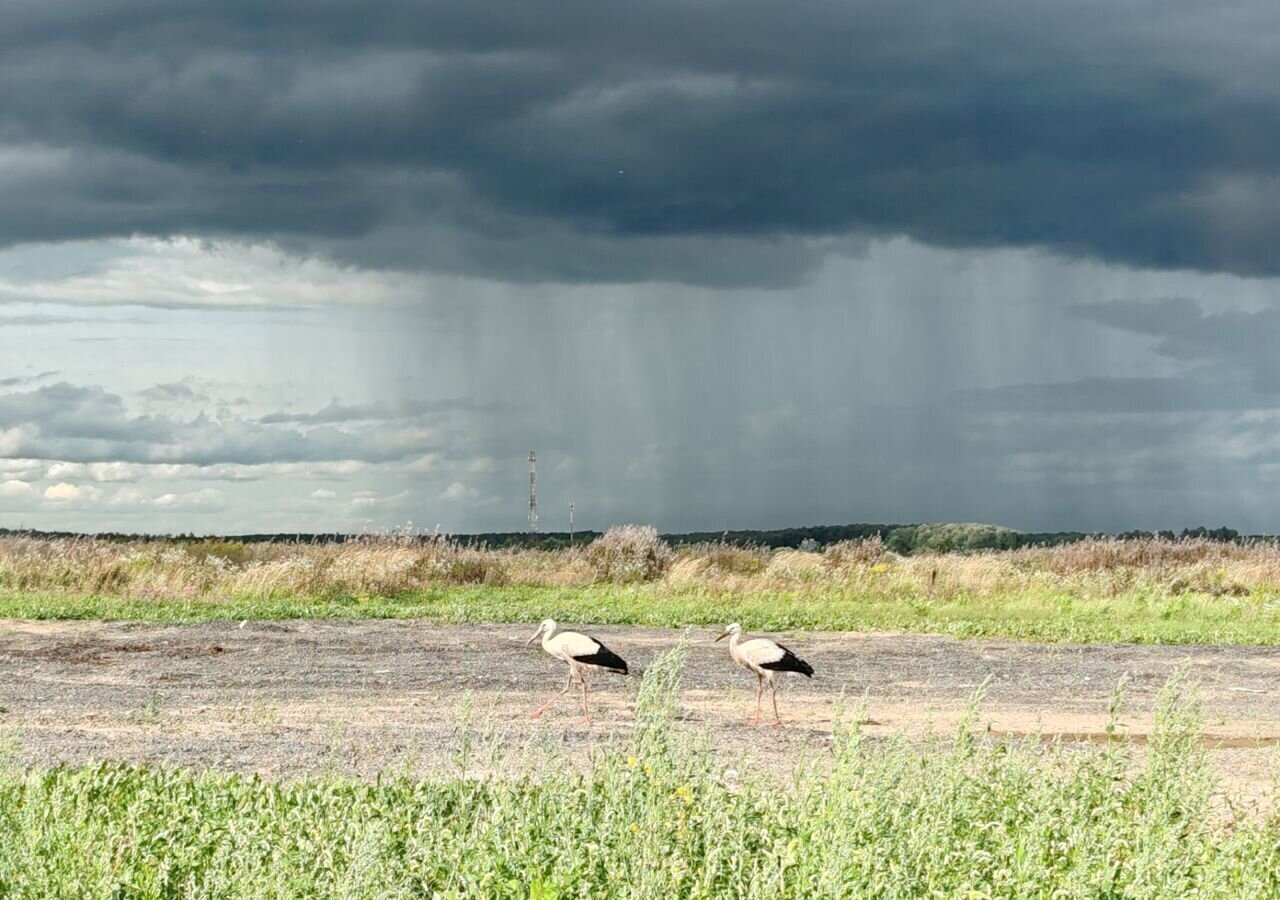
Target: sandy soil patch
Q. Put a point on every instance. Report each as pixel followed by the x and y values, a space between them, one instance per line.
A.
pixel 290 698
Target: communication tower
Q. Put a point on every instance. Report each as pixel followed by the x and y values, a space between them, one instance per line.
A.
pixel 533 492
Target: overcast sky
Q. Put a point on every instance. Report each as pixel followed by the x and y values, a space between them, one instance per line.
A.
pixel 273 267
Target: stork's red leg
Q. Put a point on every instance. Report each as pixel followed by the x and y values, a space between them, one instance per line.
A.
pixel 544 707
pixel 586 716
pixel 759 699
pixel 777 719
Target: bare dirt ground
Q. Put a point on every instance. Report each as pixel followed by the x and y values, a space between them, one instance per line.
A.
pixel 291 698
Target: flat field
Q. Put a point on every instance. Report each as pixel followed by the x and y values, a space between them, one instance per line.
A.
pixel 1097 591
pixel 319 721
pixel 393 758
pixel 295 698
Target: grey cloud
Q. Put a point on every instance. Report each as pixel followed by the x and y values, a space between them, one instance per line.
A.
pixel 1120 394
pixel 78 413
pixel 1173 314
pixel 88 424
pixel 137 339
pixel 1226 361
pixel 21 380
pixel 1231 341
pixel 1138 453
pixel 530 142
pixel 403 408
pixel 185 391
pixel 37 320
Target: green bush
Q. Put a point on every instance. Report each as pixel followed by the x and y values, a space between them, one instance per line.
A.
pixel 951 537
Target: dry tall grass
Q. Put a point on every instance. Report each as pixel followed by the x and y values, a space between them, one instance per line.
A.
pixel 393 565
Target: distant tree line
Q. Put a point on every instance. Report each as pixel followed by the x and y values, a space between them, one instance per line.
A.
pixel 937 537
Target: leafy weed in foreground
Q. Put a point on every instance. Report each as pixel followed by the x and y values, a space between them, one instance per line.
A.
pixel 657 816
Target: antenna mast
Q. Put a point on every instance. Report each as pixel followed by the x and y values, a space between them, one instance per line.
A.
pixel 570 523
pixel 533 493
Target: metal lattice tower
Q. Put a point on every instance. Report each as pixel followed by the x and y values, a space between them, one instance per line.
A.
pixel 533 492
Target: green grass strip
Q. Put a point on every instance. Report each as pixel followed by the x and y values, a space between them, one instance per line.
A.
pixel 1132 617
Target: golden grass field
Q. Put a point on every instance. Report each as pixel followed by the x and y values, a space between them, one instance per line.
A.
pixel 1151 590
pixel 395 565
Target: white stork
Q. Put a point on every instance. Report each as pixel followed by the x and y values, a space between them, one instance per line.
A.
pixel 767 659
pixel 582 653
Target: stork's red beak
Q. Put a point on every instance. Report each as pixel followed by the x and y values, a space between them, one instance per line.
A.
pixel 723 635
pixel 535 634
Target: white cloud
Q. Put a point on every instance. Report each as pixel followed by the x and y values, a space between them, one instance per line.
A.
pixel 134 497
pixel 127 471
pixel 424 464
pixel 482 465
pixel 65 492
pixel 102 471
pixel 568 465
pixel 205 497
pixel 366 499
pixel 128 497
pixel 322 494
pixel 15 490
pixel 460 492
pixel 13 439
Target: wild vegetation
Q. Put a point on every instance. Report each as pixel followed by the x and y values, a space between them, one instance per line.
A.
pixel 658 815
pixel 1166 590
pixel 944 536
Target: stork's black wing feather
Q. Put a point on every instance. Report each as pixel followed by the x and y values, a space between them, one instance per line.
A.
pixel 789 663
pixel 604 658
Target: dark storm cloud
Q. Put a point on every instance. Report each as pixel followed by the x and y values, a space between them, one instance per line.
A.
pixel 624 141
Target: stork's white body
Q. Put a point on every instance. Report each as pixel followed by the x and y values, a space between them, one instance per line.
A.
pixel 766 660
pixel 582 654
pixel 753 654
pixel 569 644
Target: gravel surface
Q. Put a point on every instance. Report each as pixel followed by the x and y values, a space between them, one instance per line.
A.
pixel 290 698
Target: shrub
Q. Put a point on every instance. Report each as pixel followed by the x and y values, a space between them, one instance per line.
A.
pixel 475 567
pixel 795 564
pixel 852 553
pixel 232 551
pixel 731 559
pixel 627 553
pixel 964 537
